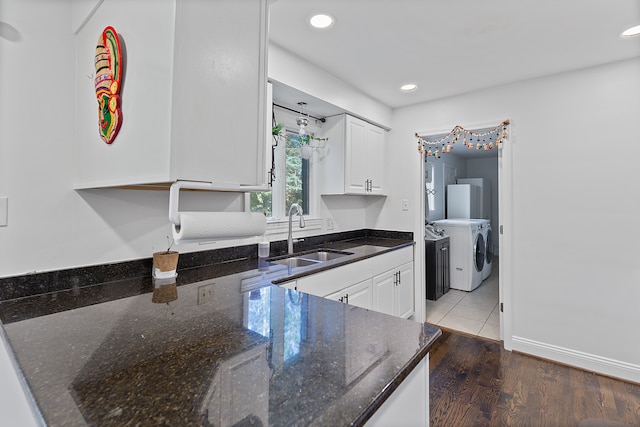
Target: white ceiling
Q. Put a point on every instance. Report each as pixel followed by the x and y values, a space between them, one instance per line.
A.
pixel 449 47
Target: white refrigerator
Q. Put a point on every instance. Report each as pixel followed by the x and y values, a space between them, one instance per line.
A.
pixel 484 195
pixel 463 201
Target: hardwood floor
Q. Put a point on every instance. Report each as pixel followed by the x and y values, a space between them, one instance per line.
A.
pixel 475 382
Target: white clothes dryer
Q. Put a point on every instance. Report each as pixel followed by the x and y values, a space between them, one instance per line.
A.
pixel 466 249
pixel 488 252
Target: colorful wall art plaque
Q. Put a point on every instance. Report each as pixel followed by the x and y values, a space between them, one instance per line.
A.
pixel 108 66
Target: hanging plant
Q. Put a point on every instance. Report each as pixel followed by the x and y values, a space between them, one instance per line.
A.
pixel 307 139
pixel 276 129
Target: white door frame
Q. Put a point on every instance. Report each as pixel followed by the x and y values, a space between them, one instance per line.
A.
pixel 505 196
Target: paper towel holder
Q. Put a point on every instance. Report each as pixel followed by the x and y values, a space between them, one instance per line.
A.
pixel 174 193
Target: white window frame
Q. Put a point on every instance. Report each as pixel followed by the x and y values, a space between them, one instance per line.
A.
pixel 278 223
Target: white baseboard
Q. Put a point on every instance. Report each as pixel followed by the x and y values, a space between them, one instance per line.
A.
pixel 590 362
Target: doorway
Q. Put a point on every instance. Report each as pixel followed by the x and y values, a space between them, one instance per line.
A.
pixel 481 306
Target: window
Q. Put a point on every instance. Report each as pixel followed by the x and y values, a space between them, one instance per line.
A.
pixel 291 183
pixel 296 173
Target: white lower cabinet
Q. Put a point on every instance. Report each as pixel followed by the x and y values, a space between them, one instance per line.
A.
pixel 382 283
pixel 393 291
pixel 360 295
pixel 408 406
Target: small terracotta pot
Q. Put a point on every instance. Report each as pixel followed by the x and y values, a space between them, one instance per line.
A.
pixel 166 261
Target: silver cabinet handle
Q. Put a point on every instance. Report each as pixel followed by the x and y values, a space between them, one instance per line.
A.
pixel 368 185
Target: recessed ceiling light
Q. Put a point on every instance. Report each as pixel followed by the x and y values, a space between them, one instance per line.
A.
pixel 408 87
pixel 633 31
pixel 321 20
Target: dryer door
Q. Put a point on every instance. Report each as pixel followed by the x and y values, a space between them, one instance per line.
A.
pixel 488 253
pixel 478 252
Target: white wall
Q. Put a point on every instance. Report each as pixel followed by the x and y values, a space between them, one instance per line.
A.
pixel 574 153
pixel 291 70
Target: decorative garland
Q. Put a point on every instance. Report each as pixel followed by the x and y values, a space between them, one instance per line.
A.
pixel 480 141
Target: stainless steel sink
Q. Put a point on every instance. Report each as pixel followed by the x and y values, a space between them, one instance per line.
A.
pixel 325 255
pixel 310 258
pixel 296 262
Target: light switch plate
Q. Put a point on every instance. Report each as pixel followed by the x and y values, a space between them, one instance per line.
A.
pixel 330 224
pixel 4 211
pixel 405 204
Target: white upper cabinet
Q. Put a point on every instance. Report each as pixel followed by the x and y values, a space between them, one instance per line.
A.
pixel 193 95
pixel 354 157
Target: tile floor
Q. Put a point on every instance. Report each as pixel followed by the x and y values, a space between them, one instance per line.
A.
pixel 474 312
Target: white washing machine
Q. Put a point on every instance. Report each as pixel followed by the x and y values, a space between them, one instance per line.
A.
pixel 488 244
pixel 466 252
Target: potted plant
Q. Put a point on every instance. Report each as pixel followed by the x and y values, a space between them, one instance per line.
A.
pixel 309 143
pixel 165 263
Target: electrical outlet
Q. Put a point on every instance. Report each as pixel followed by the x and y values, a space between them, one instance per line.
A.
pixel 205 293
pixel 405 204
pixel 330 224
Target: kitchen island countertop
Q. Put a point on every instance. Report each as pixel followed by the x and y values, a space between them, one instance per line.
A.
pixel 232 349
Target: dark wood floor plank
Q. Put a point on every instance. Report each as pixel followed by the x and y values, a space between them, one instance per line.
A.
pixel 475 382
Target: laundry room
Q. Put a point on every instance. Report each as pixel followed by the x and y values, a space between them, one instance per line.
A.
pixel 461 207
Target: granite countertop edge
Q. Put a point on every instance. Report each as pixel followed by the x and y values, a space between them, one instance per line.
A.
pixel 393 385
pixel 334 264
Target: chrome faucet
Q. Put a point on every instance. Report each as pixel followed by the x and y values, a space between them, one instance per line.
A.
pixel 298 210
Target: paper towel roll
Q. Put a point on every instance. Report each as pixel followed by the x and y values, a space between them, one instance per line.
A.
pixel 198 226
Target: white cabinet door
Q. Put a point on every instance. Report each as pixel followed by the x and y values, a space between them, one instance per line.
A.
pixel 404 292
pixel 359 295
pixel 354 157
pixel 393 291
pixel 356 168
pixel 375 161
pixel 220 89
pixel 384 292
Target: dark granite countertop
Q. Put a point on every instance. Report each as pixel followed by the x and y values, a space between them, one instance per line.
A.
pixel 232 349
